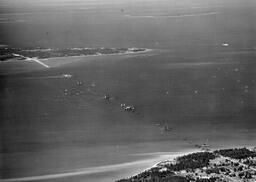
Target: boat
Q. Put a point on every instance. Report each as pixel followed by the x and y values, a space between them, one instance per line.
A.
pixel 66 75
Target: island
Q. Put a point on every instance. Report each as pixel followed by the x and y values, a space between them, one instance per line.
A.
pixel 237 165
pixel 7 53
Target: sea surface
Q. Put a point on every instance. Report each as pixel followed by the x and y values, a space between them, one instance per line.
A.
pixel 199 82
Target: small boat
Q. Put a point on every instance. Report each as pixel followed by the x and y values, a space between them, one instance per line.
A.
pixel 66 75
pixel 106 96
pixel 204 147
pixel 167 128
pixel 129 108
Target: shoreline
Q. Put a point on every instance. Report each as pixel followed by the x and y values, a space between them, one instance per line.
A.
pixel 159 159
pixel 15 66
pixel 12 53
pixel 58 61
pixel 156 158
pixel 96 55
pixel 170 156
pixel 233 158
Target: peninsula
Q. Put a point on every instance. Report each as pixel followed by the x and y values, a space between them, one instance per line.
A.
pixel 7 53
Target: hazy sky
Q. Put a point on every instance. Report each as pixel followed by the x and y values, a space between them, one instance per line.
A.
pixel 13 6
pixel 184 2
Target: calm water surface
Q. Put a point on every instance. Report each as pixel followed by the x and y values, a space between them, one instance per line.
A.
pixel 203 91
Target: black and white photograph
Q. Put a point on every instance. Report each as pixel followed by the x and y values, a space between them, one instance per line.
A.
pixel 127 90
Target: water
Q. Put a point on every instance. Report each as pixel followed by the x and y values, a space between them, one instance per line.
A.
pixel 202 90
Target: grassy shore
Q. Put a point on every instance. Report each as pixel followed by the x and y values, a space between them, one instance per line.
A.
pixel 236 164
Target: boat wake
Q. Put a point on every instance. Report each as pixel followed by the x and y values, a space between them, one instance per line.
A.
pixel 37 61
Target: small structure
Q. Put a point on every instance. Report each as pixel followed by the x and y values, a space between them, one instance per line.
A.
pixel 129 108
pixel 66 75
pixel 205 147
pixel 225 45
pixel 107 97
pixel 167 128
pixel 254 149
pixel 79 83
pixel 65 91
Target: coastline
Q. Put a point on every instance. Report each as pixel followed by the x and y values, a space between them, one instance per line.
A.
pixel 95 55
pixel 166 157
pixel 59 61
pixel 187 152
pixel 239 163
pixel 27 64
pixel 49 62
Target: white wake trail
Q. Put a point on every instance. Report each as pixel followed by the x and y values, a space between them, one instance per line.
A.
pixel 36 60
